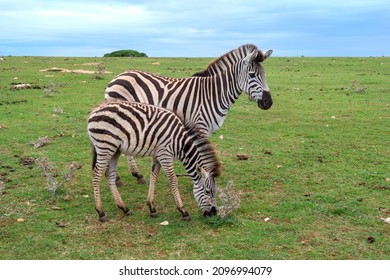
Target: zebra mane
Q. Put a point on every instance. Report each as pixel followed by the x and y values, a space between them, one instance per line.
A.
pixel 206 148
pixel 220 64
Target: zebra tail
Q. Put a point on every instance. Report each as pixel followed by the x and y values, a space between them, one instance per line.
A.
pixel 94 157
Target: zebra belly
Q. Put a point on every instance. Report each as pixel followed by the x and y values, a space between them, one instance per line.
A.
pixel 137 151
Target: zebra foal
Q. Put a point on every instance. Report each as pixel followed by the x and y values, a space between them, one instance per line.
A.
pixel 137 129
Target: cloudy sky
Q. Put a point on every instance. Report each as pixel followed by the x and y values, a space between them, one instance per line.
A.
pixel 201 28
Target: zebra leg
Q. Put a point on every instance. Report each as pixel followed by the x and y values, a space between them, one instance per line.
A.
pixel 152 185
pixel 135 171
pixel 168 169
pixel 111 178
pixel 118 181
pixel 96 179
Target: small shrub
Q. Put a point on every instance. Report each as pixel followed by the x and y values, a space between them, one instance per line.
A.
pixel 361 89
pixel 51 173
pixel 52 88
pixel 230 200
pixel 99 74
pixel 357 87
pixel 58 110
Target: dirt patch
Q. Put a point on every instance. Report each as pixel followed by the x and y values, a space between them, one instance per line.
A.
pixel 242 156
pixel 76 71
pixel 88 64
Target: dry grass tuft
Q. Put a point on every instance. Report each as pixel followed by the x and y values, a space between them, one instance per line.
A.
pixel 99 73
pixel 51 173
pixel 42 141
pixel 230 200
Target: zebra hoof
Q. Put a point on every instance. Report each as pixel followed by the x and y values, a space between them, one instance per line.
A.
pixel 103 219
pixel 127 212
pixel 142 181
pixel 186 217
pixel 120 184
pixel 102 216
pixel 153 213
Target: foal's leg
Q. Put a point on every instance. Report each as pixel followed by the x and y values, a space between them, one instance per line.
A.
pixel 111 178
pixel 167 165
pixel 152 185
pixel 100 166
pixel 96 178
pixel 135 171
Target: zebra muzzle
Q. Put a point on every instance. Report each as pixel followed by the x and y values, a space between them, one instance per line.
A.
pixel 266 101
pixel 212 212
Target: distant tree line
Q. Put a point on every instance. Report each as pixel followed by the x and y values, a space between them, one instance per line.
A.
pixel 125 53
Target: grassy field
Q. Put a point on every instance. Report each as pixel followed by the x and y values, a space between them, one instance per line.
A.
pixel 318 166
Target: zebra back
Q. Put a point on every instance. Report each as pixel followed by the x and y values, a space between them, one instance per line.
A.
pixel 233 57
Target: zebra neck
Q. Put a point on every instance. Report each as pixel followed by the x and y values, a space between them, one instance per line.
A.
pixel 225 87
pixel 190 167
pixel 190 156
pixel 221 92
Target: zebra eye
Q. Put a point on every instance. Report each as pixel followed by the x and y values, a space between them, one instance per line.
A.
pixel 252 75
pixel 207 191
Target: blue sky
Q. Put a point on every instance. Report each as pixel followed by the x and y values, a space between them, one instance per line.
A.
pixel 202 28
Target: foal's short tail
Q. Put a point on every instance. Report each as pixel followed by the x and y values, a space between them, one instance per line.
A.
pixel 94 157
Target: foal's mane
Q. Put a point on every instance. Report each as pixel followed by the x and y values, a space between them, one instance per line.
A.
pixel 206 149
pixel 220 64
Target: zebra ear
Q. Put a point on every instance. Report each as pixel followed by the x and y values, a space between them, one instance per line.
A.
pixel 203 173
pixel 263 56
pixel 250 57
pixel 267 54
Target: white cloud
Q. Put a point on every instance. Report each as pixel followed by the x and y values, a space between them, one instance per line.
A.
pixel 60 19
pixel 189 28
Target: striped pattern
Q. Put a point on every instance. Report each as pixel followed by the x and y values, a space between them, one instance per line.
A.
pixel 203 99
pixel 137 129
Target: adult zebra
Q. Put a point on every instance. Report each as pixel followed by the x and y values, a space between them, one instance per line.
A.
pixel 145 130
pixel 203 99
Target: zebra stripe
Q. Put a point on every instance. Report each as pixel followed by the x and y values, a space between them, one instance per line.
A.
pixel 137 129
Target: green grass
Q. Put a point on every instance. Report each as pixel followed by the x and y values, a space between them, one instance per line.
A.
pixel 319 167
